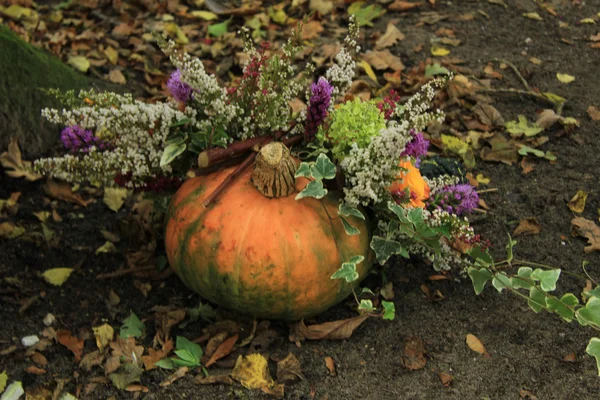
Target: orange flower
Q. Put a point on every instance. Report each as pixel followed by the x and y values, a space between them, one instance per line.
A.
pixel 412 180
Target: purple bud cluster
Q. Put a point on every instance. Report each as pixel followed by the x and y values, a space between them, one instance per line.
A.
pixel 458 199
pixel 180 90
pixel 75 138
pixel 320 99
pixel 417 147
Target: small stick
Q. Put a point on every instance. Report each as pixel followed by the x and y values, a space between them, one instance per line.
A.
pixel 123 272
pixel 229 179
pixel 515 70
pixel 487 190
pixel 218 154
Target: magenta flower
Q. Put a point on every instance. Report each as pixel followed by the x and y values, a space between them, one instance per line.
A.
pixel 416 147
pixel 75 138
pixel 180 90
pixel 317 108
pixel 456 199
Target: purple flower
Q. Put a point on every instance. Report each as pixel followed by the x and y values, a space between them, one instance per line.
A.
pixel 416 147
pixel 459 199
pixel 76 138
pixel 180 90
pixel 317 108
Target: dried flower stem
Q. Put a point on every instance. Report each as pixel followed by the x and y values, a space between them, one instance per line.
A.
pixel 218 154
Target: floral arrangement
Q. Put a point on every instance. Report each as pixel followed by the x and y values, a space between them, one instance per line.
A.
pixel 374 147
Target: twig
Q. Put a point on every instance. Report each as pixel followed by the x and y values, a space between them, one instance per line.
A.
pixel 217 154
pixel 487 190
pixel 520 92
pixel 229 179
pixel 123 272
pixel 515 70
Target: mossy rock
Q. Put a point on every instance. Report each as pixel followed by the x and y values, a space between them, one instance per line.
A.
pixel 24 70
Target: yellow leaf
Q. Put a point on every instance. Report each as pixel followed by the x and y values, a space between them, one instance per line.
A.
pixel 205 15
pixel 439 51
pixel 577 203
pixel 112 55
pixel 252 371
pixel 104 335
pixel 322 6
pixel 11 159
pixel 116 76
pixel 107 247
pixel 482 179
pixel 42 215
pixel 80 63
pixel 3 379
pixel 114 198
pixel 533 15
pixel 588 21
pixel 565 78
pixel 535 60
pixel 367 67
pixel 476 345
pixel 57 276
pixel 390 37
pixel 8 230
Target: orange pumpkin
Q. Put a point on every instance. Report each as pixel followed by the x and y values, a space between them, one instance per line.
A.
pixel 265 257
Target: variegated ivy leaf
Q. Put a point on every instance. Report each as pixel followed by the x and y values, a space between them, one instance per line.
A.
pixel 323 168
pixel 347 272
pixel 303 170
pixel 172 151
pixel 385 248
pixel 313 189
pixel 590 314
pixel 479 277
pixel 537 299
pixel 347 210
pixel 593 349
pixel 563 307
pixel 501 281
pixel 350 230
pixel 389 310
pixel 547 278
pixel 523 279
pixel 366 306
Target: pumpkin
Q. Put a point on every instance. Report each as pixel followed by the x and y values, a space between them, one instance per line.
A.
pixel 267 257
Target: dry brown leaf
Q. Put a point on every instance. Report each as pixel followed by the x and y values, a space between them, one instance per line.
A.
pixel 589 230
pixel 594 113
pixel 488 115
pixel 399 5
pixel 223 350
pixel 383 59
pixel 180 373
pixel 312 30
pixel 571 357
pixel 476 345
pixel 413 357
pixel 156 355
pixel 71 342
pixel 11 160
pixel 277 390
pixel 335 330
pixel 390 37
pixel 90 360
pixel 288 370
pixel 527 226
pixel 527 395
pixel 213 379
pixel 39 359
pixel 136 387
pixel 502 151
pixel 577 203
pixel 116 76
pixel 164 319
pixel 62 191
pixel 527 165
pixel 330 364
pixel 32 369
pixel 445 378
pixel 547 118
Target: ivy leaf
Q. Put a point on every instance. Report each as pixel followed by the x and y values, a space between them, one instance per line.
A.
pixel 399 211
pixel 481 257
pixel 590 314
pixel 523 127
pixel 323 168
pixel 364 291
pixel 594 293
pixel 479 277
pixel 347 210
pixel 389 310
pixel 350 230
pixel 366 306
pixel 347 272
pixel 547 278
pixel 562 307
pixel 171 152
pixel 132 327
pixel 537 299
pixel 415 215
pixel 313 189
pixel 501 282
pixel 303 170
pixel 593 349
pixel 523 278
pixel 357 259
pixel 385 248
pixel 220 29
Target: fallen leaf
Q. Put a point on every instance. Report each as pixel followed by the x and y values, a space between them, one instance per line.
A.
pixel 527 165
pixel 277 390
pixel 330 364
pixel 535 60
pixel 413 357
pixel 104 335
pixel 501 151
pixel 107 247
pixel 571 357
pixel 476 345
pixel 526 394
pixel 157 355
pixel 577 203
pixel 594 113
pixel 57 276
pixel 387 291
pixel 390 37
pixel 369 71
pixel 547 118
pixel 92 359
pixel 223 350
pixel 533 15
pixel 522 127
pixel 205 15
pixel 488 115
pixel 71 342
pixel 252 371
pixel 63 191
pixel 125 375
pixel 400 5
pixel 11 159
pixel 383 59
pixel 336 330
pixel 32 369
pixel 323 7
pixel 312 30
pixel 143 287
pixel 445 378
pixel 589 230
pixel 8 230
pixel 527 226
pixel 213 379
pixel 180 373
pixel 439 51
pixel 81 63
pixel 288 370
pixel 565 78
pixel 39 359
pixel 116 76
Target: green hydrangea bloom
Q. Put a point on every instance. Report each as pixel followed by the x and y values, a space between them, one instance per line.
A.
pixel 353 122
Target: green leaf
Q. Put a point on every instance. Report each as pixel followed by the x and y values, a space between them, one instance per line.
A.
pixel 399 211
pixel 350 230
pixel 181 122
pixel 171 152
pixel 509 248
pixel 303 170
pixel 323 168
pixel 523 278
pixel 192 348
pixel 590 314
pixel 522 127
pixel 220 29
pixel 593 349
pixel 481 257
pixel 365 290
pixel 415 215
pixel 564 306
pixel 537 299
pixel 132 327
pixel 165 363
pixel 595 292
pixel 357 259
pixel 204 311
pixel 347 210
pixel 313 189
pixel 186 356
pixel 501 282
pixel 460 148
pixel 3 380
pixel 366 306
pixel 365 16
pixel 525 150
pixel 126 374
pixel 389 310
pixel 479 277
pixel 385 248
pixel 547 278
pixel 347 272
pixel 435 69
pixel 14 391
